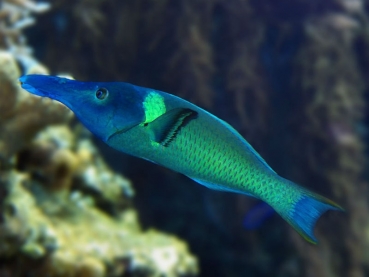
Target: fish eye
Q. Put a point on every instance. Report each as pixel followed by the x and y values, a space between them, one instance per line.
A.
pixel 101 93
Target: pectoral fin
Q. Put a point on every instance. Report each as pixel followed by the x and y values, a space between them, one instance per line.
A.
pixel 165 128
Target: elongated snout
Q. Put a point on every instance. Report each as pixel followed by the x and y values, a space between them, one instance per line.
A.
pixel 30 82
pixel 49 86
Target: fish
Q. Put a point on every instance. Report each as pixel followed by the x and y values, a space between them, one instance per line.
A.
pixel 174 133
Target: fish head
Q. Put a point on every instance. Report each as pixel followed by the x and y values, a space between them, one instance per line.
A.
pixel 104 108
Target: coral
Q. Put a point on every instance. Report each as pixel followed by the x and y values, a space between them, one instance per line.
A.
pixel 59 168
pixel 23 115
pixel 72 237
pixel 15 16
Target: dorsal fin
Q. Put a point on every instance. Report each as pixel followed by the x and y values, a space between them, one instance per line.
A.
pixel 165 128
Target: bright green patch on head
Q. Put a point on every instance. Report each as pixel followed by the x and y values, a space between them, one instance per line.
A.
pixel 154 106
pixel 155 144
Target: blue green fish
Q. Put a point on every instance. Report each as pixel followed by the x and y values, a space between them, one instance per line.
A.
pixel 175 133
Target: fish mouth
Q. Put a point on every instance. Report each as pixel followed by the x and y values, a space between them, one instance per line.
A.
pixel 120 131
pixel 114 134
pixel 31 89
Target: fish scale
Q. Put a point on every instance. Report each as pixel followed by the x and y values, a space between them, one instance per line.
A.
pixel 177 134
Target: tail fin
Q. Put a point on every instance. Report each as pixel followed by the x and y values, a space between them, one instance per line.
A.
pixel 306 211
